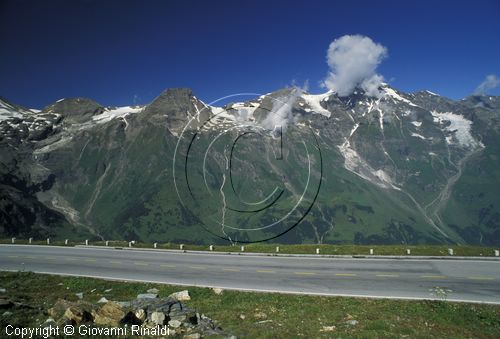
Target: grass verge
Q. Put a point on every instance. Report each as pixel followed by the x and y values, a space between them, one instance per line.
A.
pixel 267 315
pixel 328 249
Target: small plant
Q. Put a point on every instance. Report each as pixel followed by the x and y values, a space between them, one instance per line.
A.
pixel 440 292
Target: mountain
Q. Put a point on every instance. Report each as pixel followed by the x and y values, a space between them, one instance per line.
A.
pixel 288 166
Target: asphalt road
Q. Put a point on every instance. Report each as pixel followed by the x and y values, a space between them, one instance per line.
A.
pixel 469 280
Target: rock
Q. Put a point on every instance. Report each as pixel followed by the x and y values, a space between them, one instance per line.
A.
pixel 124 304
pixel 153 290
pixel 192 336
pixel 78 314
pixel 328 328
pixel 6 313
pixel 131 319
pixel 59 308
pixel 352 322
pixel 103 300
pixel 93 290
pixel 49 322
pixel 140 314
pixel 110 314
pixel 3 290
pixel 158 318
pixel 180 317
pixel 242 317
pixel 5 304
pixel 79 295
pixel 108 290
pixel 181 296
pixel 260 315
pixel 217 291
pixel 147 296
pixel 174 323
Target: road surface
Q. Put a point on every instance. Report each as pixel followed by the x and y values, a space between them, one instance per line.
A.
pixel 469 280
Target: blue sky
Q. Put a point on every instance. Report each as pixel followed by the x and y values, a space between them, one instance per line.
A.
pixel 125 52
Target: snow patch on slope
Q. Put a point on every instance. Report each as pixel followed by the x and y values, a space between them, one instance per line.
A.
pixel 314 102
pixel 459 128
pixel 389 92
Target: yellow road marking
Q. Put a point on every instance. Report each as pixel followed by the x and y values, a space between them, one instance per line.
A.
pixel 345 274
pixel 141 264
pixel 480 278
pixel 197 267
pixel 167 265
pixel 388 275
pixel 29 257
pixel 71 259
pixel 115 262
pixel 266 271
pixel 13 256
pixel 304 273
pixel 433 276
pixel 50 258
pixel 231 269
pixel 90 260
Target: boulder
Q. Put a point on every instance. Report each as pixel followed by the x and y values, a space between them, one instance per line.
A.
pixel 153 290
pixel 3 290
pixel 181 296
pixel 140 314
pixel 109 314
pixel 158 318
pixel 61 305
pixel 78 314
pixel 174 323
pixel 79 295
pixel 147 296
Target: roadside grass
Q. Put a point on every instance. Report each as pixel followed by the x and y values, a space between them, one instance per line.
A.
pixel 328 249
pixel 267 315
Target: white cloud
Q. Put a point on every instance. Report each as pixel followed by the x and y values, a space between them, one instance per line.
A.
pixel 490 82
pixel 353 61
pixel 281 113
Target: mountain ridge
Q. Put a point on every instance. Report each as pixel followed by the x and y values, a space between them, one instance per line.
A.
pixel 110 168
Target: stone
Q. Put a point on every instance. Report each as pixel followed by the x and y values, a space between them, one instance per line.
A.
pixel 180 317
pixel 352 322
pixel 78 314
pixel 79 295
pixel 181 296
pixel 147 296
pixel 217 291
pixel 153 290
pixel 103 300
pixel 4 304
pixel 140 314
pixel 49 322
pixel 3 290
pixel 93 290
pixel 192 336
pixel 6 313
pixel 110 314
pixel 131 319
pixel 328 328
pixel 242 317
pixel 158 318
pixel 260 315
pixel 108 290
pixel 174 323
